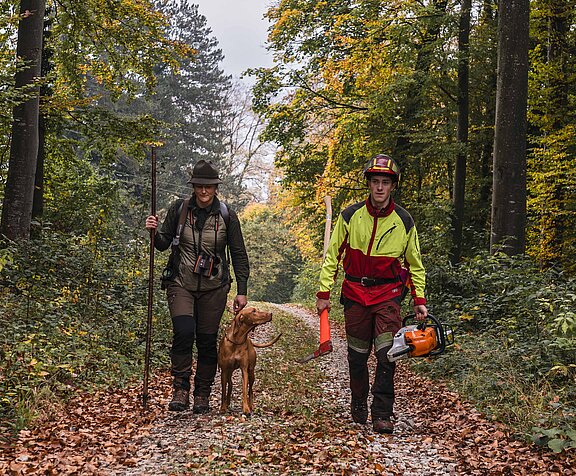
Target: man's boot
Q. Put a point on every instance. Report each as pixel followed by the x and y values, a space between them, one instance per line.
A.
pixel 180 400
pixel 383 393
pixel 359 410
pixel 359 386
pixel 382 425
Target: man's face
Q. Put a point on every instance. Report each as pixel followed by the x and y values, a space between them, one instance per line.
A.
pixel 381 186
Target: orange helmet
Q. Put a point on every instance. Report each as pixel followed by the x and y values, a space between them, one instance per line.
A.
pixel 382 164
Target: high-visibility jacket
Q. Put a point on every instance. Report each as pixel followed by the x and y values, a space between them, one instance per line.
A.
pixel 376 249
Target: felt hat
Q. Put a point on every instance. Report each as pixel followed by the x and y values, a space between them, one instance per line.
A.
pixel 204 173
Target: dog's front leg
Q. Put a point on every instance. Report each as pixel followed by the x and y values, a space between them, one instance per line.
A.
pixel 226 389
pixel 246 409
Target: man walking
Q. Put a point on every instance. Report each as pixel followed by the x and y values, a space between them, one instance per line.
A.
pixel 378 245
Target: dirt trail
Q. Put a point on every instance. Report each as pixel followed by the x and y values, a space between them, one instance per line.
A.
pixel 166 449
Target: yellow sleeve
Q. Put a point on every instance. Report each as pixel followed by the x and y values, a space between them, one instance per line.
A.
pixel 331 261
pixel 416 267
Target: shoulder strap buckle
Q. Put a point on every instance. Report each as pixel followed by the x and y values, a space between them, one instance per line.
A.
pixel 181 221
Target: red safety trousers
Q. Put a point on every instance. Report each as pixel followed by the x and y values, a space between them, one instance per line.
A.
pixel 370 327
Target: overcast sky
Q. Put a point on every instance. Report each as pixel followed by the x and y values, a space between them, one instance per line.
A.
pixel 241 31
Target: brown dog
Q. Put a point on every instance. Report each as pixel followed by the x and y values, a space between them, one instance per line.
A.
pixel 237 351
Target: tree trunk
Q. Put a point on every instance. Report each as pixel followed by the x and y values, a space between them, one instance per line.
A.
pixel 458 194
pixel 45 92
pixel 17 206
pixel 509 171
pixel 488 20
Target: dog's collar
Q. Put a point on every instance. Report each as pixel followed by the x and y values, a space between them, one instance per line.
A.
pixel 239 343
pixel 236 343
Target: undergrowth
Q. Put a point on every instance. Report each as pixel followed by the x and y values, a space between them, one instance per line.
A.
pixel 73 313
pixel 515 356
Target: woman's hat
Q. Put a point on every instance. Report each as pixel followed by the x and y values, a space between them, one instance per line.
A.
pixel 204 173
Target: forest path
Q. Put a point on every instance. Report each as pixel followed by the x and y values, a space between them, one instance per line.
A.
pixel 309 433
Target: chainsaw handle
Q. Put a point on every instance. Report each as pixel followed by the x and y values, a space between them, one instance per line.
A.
pixel 412 316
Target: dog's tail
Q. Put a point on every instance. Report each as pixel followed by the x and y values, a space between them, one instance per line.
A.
pixel 268 344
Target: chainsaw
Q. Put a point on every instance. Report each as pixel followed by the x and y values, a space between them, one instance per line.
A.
pixel 424 339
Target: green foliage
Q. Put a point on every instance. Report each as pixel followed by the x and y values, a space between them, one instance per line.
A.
pixel 556 439
pixel 357 79
pixel 117 44
pixel 274 258
pixel 515 338
pixel 552 202
pixel 511 295
pixel 73 313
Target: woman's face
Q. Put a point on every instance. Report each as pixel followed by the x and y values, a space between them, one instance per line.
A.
pixel 204 194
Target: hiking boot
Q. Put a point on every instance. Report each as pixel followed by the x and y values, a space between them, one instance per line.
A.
pixel 382 425
pixel 359 411
pixel 180 400
pixel 201 404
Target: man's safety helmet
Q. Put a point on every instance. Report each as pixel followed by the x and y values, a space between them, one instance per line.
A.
pixel 382 164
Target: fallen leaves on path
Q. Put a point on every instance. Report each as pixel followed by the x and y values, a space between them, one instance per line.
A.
pixel 437 434
pixel 93 429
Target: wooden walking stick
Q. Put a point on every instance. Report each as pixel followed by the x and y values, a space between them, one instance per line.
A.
pixel 150 287
pixel 325 346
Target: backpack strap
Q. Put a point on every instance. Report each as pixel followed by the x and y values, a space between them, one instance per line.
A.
pixel 182 211
pixel 225 213
pixel 226 217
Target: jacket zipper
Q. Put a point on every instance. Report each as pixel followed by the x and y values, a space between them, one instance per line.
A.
pixel 383 235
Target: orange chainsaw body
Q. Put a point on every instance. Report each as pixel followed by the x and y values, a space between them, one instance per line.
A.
pixel 424 339
pixel 421 341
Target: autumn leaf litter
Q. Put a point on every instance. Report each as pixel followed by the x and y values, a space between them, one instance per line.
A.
pixel 435 432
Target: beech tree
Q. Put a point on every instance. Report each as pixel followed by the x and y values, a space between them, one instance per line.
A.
pixel 509 171
pixel 458 194
pixel 17 204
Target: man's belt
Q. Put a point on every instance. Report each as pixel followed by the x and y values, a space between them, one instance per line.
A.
pixel 364 281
